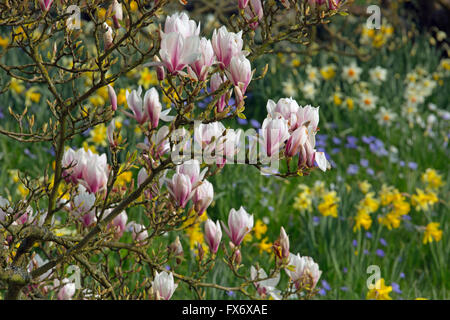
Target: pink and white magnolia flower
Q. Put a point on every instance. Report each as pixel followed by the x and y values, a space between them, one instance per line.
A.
pixel 239 224
pixel 258 12
pixel 138 231
pixel 203 196
pixel 191 168
pixel 163 285
pixel 308 116
pixel 134 102
pixel 287 107
pixel 213 235
pixel 227 146
pixel 295 141
pixel 73 163
pixel 275 132
pixel 265 287
pixel 243 4
pixel 67 291
pixel 205 134
pixel 161 141
pixel 180 23
pixel 107 36
pixel 215 83
pixel 303 270
pixel 180 188
pixel 95 172
pixel 152 106
pixel 201 66
pixel 177 51
pixel 119 223
pixel 226 45
pixel 240 72
pixel 83 201
pixel 117 13
pixel 308 154
pixel 45 4
pixel 112 97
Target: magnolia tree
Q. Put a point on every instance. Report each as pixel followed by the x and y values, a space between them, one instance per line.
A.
pixel 182 147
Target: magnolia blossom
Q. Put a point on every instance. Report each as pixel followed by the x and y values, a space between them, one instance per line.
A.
pixel 180 23
pixel 152 106
pixel 226 45
pixel 45 4
pixel 239 224
pixel 308 154
pixel 258 12
pixel 215 83
pixel 308 116
pixel 73 163
pixel 67 290
pixel 243 4
pixel 303 271
pixel 203 196
pixel 134 102
pixel 213 235
pixel 84 201
pixel 95 172
pixel 265 287
pixel 205 134
pixel 119 223
pixel 107 36
pixel 287 108
pixel 201 66
pixel 275 133
pixel 163 285
pixel 180 188
pixel 191 168
pixel 177 51
pixel 227 146
pixel 112 97
pixel 117 13
pixel 161 141
pixel 138 231
pixel 296 140
pixel 240 72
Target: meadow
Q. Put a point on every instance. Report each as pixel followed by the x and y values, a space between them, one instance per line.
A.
pixel 384 128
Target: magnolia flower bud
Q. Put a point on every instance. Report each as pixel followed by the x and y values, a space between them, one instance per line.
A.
pixel 213 234
pixel 203 196
pixel 237 257
pixel 176 249
pixel 152 106
pixel 110 134
pixel 258 9
pixel 160 73
pixel 239 224
pixel 117 13
pixel 112 97
pixel 284 242
pixel 107 36
pixel 163 285
pixel 215 83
